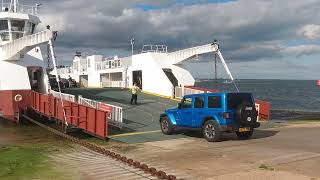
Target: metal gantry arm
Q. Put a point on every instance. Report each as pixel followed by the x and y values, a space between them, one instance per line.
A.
pixel 218 52
pixel 55 71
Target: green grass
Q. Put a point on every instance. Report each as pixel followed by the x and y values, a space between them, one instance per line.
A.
pixel 27 162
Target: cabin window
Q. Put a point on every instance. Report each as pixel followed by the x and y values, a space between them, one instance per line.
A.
pixel 75 65
pixel 4 25
pixel 35 75
pixel 3 28
pixel 88 62
pixel 5 36
pixel 17 25
pixel 30 27
pixel 17 28
pixel 33 27
pixel 16 35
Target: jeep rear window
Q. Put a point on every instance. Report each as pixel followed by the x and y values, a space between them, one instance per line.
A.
pixel 234 100
pixel 214 101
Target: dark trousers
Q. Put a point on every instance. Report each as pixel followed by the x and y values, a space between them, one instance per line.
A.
pixel 134 98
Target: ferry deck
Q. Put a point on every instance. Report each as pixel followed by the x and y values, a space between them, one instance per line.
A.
pixel 141 121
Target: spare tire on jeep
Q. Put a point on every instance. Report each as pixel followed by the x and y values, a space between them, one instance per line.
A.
pixel 246 114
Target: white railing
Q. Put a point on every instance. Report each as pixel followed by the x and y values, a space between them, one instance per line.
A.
pixel 182 91
pixel 12 48
pixel 83 68
pixel 154 48
pixel 178 92
pixel 66 70
pixel 110 64
pixel 115 117
pixel 25 9
pixel 119 84
pixel 67 97
pixel 184 54
pixel 88 102
pixel 100 66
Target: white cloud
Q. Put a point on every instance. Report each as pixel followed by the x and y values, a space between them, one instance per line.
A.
pixel 248 30
pixel 301 50
pixel 310 31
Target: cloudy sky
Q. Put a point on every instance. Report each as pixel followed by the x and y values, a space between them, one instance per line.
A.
pixel 277 39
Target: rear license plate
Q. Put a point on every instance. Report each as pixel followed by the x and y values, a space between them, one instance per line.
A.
pixel 244 129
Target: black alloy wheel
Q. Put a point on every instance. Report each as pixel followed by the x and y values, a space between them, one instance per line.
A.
pixel 211 131
pixel 166 126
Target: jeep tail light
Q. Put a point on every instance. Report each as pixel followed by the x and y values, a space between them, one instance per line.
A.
pixel 227 115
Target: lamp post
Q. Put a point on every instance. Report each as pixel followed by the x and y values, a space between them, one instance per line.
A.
pixel 132 43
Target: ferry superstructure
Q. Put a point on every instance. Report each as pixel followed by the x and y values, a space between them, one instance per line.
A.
pixel 21 63
pixel 154 70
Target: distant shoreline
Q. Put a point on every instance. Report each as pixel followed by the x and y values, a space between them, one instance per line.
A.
pixel 279 114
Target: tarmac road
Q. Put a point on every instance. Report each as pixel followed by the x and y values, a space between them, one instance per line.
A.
pixel 291 152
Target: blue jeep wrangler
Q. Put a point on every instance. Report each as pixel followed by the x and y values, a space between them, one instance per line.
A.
pixel 213 114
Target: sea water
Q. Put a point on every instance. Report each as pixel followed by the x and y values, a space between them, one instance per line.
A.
pixel 296 95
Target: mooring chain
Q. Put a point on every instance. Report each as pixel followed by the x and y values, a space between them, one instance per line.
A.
pixel 108 153
pixel 49 85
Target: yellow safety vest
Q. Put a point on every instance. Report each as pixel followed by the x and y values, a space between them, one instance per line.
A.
pixel 134 90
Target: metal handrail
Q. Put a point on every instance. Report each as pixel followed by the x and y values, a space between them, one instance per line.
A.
pixel 105 65
pixel 181 55
pixel 25 9
pixel 115 117
pixel 154 48
pixel 67 97
pixel 118 84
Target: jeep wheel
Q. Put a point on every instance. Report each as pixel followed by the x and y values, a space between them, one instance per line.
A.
pixel 244 135
pixel 211 131
pixel 166 126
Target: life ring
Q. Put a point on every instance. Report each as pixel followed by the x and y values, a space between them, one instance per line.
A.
pixel 18 97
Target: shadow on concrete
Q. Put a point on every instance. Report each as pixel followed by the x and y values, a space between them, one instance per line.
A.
pixel 258 134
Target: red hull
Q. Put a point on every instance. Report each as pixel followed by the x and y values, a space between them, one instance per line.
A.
pixel 10 107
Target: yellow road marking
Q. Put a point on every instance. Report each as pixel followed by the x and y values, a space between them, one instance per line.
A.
pixel 135 133
pixel 158 95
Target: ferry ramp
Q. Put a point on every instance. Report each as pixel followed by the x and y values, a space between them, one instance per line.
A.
pixel 141 121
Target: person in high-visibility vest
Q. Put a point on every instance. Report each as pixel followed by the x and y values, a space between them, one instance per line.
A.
pixel 134 93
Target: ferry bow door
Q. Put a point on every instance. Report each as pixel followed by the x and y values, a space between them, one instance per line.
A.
pixel 36 78
pixel 137 78
pixel 83 80
pixel 172 78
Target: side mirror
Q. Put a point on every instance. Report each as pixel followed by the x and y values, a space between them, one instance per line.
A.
pixel 179 105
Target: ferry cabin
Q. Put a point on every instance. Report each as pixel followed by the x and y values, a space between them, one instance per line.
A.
pixel 154 70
